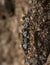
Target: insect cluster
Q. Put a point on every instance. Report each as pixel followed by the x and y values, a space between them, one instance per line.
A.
pixel 36 39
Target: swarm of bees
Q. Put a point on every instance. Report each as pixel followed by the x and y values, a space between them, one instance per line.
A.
pixel 35 36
